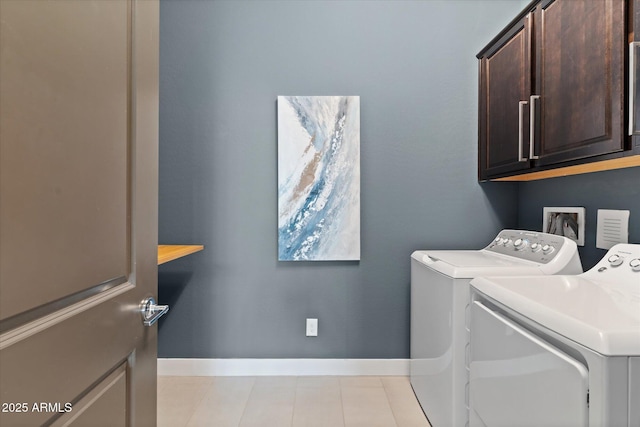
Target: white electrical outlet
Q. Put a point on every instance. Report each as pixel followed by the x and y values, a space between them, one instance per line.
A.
pixel 312 327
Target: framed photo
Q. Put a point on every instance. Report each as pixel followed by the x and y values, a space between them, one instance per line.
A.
pixel 563 221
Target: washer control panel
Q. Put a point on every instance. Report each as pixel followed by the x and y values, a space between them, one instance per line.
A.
pixel 529 245
pixel 622 260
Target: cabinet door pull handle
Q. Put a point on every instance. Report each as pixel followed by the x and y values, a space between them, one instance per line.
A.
pixel 532 126
pixel 521 157
pixel 632 85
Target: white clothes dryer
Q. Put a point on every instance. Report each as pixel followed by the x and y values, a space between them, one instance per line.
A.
pixel 558 350
pixel 440 303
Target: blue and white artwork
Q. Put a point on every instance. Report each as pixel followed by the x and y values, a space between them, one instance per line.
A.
pixel 318 178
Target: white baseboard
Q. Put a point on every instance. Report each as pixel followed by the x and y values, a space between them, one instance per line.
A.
pixel 275 367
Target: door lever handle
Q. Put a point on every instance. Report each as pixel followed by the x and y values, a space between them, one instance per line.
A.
pixel 151 312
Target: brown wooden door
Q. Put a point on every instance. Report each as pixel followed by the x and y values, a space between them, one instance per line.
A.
pixel 505 87
pixel 580 79
pixel 78 211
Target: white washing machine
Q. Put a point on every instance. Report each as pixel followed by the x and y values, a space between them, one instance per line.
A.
pixel 439 306
pixel 558 350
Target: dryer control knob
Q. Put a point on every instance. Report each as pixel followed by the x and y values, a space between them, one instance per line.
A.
pixel 635 264
pixel 520 244
pixel 615 260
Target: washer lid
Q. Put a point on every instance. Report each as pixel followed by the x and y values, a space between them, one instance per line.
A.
pixel 600 316
pixel 470 264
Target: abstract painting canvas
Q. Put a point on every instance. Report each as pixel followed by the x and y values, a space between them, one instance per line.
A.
pixel 318 178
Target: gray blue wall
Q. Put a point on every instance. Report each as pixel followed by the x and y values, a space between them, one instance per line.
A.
pixel 618 189
pixel 222 65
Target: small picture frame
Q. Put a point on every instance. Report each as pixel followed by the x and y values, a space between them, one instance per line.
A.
pixel 564 221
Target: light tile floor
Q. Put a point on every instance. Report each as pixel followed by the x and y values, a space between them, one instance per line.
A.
pixel 288 401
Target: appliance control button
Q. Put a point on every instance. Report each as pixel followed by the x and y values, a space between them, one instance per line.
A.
pixel 535 247
pixel 507 242
pixel 497 239
pixel 635 264
pixel 615 260
pixel 520 244
pixel 547 249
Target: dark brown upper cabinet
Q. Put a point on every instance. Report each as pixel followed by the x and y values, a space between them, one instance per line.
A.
pixel 634 73
pixel 552 89
pixel 505 88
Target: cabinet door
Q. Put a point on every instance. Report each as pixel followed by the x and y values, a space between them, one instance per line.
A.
pixel 579 77
pixel 634 79
pixel 505 87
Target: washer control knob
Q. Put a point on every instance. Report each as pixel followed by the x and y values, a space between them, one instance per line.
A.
pixel 497 239
pixel 547 249
pixel 615 260
pixel 507 242
pixel 535 247
pixel 635 264
pixel 520 244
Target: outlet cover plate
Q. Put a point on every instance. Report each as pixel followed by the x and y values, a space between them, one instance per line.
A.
pixel 312 327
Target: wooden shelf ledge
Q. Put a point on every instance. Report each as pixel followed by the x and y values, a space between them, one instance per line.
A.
pixel 168 253
pixel 620 163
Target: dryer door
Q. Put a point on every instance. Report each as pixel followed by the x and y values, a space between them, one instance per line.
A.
pixel 517 379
